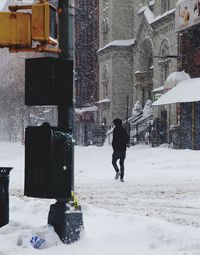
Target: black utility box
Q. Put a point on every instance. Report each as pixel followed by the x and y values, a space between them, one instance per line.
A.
pixel 4 195
pixel 48 162
pixel 48 81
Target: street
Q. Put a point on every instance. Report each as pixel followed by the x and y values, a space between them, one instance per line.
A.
pixel 159 182
pixel 155 211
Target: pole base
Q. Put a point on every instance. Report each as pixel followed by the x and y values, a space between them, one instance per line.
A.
pixel 67 223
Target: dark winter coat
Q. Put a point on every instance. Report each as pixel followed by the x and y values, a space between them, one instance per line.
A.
pixel 120 139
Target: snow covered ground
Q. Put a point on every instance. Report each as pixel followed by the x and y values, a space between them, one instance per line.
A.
pixel 155 211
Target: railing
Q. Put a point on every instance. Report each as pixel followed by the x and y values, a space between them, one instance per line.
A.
pixel 140 128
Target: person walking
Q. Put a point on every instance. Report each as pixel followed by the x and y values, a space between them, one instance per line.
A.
pixel 120 139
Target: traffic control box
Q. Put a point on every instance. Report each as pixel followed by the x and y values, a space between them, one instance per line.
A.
pixel 44 23
pixel 48 162
pixel 4 195
pixel 19 28
pixel 15 29
pixel 48 81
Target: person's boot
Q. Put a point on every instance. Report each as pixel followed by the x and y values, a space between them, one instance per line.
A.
pixel 117 175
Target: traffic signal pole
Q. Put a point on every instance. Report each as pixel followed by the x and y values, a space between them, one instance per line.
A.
pixel 67 222
pixel 66 113
pixel 48 81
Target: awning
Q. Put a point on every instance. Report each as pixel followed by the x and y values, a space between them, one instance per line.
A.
pixel 184 92
pixel 158 89
pixel 174 78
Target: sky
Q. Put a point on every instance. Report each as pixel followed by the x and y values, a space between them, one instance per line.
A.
pixel 2 3
pixel 155 211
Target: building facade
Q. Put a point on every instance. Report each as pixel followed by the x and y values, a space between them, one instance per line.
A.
pixel 86 69
pixel 188 27
pixel 86 46
pixel 138 50
pixel 116 34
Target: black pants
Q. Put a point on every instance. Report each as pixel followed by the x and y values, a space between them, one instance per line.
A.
pixel 121 155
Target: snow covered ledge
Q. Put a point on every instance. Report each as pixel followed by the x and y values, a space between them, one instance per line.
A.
pixel 118 43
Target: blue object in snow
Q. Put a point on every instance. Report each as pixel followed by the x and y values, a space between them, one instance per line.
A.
pixel 37 241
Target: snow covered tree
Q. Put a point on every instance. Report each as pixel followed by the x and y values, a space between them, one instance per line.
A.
pixel 137 109
pixel 148 111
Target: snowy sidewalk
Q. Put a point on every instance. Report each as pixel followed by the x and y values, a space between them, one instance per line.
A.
pixel 138 216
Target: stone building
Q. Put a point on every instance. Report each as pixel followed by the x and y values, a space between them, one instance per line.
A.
pixel 86 69
pixel 138 51
pixel 188 27
pixel 86 46
pixel 116 36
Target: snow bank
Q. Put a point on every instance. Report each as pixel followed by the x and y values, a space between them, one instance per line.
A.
pixel 112 219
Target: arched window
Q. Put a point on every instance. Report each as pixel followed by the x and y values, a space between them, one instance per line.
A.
pixel 164 61
pixel 105 80
pixel 105 29
pixel 144 77
pixel 105 4
pixel 146 56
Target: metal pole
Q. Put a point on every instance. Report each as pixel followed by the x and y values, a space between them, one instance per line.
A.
pixel 66 28
pixel 66 113
pixel 127 107
pixel 193 126
pixel 67 225
pixel 127 123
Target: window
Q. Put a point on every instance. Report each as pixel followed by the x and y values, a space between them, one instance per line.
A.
pixel 105 80
pixel 146 56
pixel 164 61
pixel 105 29
pixel 105 3
pixel 165 5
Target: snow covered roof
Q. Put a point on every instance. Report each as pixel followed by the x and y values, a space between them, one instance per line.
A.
pixel 185 91
pixel 142 9
pixel 147 13
pixel 120 43
pixel 150 15
pixel 163 15
pixel 180 2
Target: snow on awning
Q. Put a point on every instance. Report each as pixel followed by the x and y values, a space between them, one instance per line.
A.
pixel 158 89
pixel 174 78
pixel 185 91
